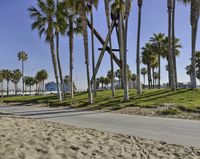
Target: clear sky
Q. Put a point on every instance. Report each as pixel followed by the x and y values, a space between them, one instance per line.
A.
pixel 16 35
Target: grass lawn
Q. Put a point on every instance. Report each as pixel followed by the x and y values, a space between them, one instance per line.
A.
pixel 183 99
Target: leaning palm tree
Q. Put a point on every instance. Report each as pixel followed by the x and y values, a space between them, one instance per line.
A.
pixel 7 75
pixel 107 11
pixel 17 75
pixel 22 56
pixel 194 18
pixel 60 28
pixel 44 22
pixel 90 4
pixel 140 2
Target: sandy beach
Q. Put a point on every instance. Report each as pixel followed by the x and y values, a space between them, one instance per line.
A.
pixel 36 139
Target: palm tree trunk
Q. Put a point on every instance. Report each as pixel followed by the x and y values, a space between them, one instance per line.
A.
pixel 139 91
pixel 149 75
pixel 159 71
pixel 107 10
pixel 71 43
pixel 120 56
pixel 85 38
pixel 173 43
pixel 55 65
pixel 30 90
pixel 194 23
pixel 1 89
pixel 170 60
pixel 122 52
pixel 15 89
pixel 23 77
pixel 93 53
pixel 59 66
pixel 7 88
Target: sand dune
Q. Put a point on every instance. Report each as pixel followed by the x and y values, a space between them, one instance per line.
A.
pixel 36 139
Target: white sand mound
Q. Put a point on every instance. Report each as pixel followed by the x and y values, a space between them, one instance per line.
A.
pixel 37 139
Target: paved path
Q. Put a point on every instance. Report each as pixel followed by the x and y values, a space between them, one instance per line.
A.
pixel 175 131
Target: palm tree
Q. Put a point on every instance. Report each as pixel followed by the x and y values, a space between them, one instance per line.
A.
pixel 7 75
pixel 156 76
pixel 60 28
pixel 144 72
pixel 102 81
pixel 189 71
pixel 107 11
pixel 139 91
pixel 22 56
pixel 107 81
pixel 74 26
pixel 134 79
pixel 149 58
pixel 37 82
pixel 82 10
pixel 17 75
pixel 158 43
pixel 194 18
pixel 29 81
pixel 118 74
pixel 43 16
pixel 173 43
pixel 1 82
pixel 90 5
pixel 119 6
pixel 42 76
pixel 170 57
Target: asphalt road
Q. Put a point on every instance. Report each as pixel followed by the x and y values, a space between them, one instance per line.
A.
pixel 174 131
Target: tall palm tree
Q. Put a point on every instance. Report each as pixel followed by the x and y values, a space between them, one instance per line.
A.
pixel 173 43
pixel 119 6
pixel 158 43
pixel 170 57
pixel 17 75
pixel 22 56
pixel 82 10
pixel 44 22
pixel 194 18
pixel 7 75
pixel 92 3
pixel 1 82
pixel 139 90
pixel 144 72
pixel 74 26
pixel 108 13
pixel 60 28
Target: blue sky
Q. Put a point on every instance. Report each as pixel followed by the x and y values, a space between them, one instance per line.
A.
pixel 16 35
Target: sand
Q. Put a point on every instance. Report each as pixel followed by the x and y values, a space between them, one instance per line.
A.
pixel 36 139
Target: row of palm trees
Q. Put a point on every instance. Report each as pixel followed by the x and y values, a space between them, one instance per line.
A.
pixel 153 51
pixel 66 17
pixel 16 75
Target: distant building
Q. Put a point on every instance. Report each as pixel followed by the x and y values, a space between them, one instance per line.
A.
pixel 52 87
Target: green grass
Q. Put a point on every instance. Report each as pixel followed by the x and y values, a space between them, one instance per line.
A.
pixel 185 100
